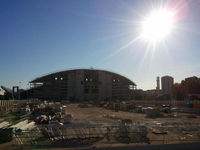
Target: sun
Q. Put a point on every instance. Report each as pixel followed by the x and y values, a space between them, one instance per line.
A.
pixel 157 25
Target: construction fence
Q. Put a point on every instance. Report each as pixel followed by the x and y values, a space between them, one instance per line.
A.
pixel 87 135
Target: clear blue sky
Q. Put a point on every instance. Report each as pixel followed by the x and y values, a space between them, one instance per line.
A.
pixel 43 36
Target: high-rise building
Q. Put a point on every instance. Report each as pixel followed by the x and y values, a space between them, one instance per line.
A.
pixel 167 84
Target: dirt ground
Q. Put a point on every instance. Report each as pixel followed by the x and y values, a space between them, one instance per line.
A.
pixel 188 130
pixel 97 115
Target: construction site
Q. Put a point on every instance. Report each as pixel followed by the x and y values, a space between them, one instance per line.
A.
pixel 43 124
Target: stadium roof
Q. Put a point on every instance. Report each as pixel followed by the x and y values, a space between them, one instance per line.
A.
pixel 36 79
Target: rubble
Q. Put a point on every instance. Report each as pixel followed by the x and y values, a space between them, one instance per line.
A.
pixel 152 112
pixel 165 109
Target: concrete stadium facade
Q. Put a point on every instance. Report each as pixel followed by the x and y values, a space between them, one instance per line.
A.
pixel 82 84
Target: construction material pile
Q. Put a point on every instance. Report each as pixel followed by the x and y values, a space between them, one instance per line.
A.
pixel 134 133
pixel 4 124
pixel 152 112
pixel 24 125
pixel 51 113
pixel 76 134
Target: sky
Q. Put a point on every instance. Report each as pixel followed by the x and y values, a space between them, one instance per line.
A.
pixel 43 36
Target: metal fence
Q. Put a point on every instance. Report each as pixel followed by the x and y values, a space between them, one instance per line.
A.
pixel 66 136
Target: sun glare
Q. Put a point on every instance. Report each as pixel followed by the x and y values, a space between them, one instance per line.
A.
pixel 157 25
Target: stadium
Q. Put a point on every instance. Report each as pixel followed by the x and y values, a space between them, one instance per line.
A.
pixel 82 84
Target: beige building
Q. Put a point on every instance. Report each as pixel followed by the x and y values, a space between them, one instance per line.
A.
pixel 167 84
